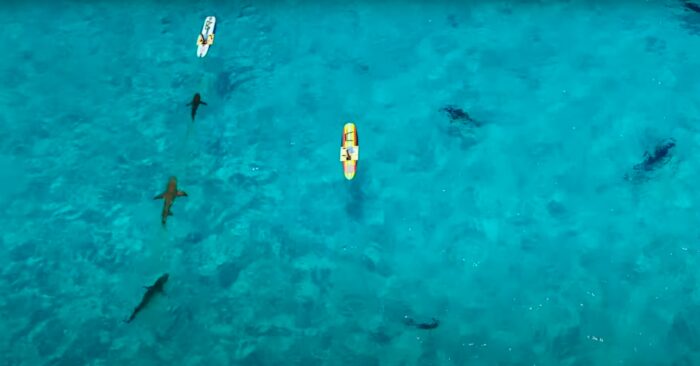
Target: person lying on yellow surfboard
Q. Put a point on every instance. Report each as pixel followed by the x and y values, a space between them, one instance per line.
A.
pixel 349 150
pixel 350 153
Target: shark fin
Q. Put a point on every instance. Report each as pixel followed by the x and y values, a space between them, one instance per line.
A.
pixel 158 197
pixel 202 102
pixel 181 194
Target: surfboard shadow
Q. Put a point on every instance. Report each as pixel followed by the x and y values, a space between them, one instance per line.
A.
pixel 355 194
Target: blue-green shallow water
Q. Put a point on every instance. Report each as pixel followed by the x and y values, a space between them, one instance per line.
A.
pixel 521 236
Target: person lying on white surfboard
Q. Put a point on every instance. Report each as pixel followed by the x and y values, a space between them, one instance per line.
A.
pixel 206 36
pixel 203 41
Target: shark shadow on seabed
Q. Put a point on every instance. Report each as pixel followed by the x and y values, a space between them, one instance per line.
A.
pixel 467 136
pixel 185 152
pixel 229 81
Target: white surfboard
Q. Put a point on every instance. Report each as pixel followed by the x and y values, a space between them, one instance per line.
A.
pixel 206 38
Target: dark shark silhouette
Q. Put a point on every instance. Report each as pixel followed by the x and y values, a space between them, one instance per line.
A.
pixel 458 114
pixel 661 153
pixel 151 291
pixel 660 156
pixel 691 6
pixel 196 101
pixel 171 192
pixel 434 323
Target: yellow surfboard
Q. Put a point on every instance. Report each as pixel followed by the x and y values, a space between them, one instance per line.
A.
pixel 349 150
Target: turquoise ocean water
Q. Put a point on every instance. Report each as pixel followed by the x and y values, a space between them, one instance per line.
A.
pixel 521 235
